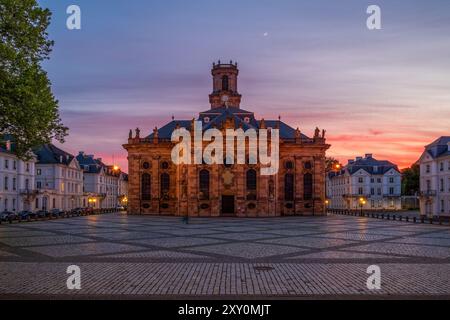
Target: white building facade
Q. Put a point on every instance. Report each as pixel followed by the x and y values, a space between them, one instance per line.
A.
pixel 435 178
pixel 365 183
pixel 105 185
pixel 16 181
pixel 59 180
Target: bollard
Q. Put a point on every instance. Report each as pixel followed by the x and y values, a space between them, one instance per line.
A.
pixel 422 220
pixel 382 216
pixel 407 219
pixel 389 217
pixel 394 217
pixel 415 219
pixel 431 220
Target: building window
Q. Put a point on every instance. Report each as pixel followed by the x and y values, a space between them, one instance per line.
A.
pixel 39 172
pixel 391 190
pixel 360 191
pixel 289 187
pixel 206 119
pixel 442 185
pixel 165 165
pixel 146 165
pixel 361 180
pixel 6 183
pixel 391 180
pixel 251 180
pixel 146 187
pixel 36 204
pixel 39 185
pixel 225 83
pixel 165 186
pixel 308 165
pixel 28 167
pixel 54 203
pixel 442 206
pixel 289 165
pixel 247 120
pixel 6 164
pixel 204 184
pixel 14 184
pixel 427 168
pixel 14 165
pixel 308 186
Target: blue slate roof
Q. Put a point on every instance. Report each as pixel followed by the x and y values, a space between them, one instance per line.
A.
pixel 50 154
pixel 439 148
pixel 367 164
pixel 219 115
pixel 89 164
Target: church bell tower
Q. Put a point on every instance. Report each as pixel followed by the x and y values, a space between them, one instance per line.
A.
pixel 225 85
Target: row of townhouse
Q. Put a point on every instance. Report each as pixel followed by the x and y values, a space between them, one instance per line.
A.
pixel 54 179
pixel 365 183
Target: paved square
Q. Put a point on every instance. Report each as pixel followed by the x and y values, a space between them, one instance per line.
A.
pixel 160 257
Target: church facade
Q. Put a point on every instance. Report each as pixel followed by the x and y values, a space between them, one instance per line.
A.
pixel 158 186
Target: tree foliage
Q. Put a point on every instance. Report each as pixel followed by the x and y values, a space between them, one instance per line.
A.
pixel 28 109
pixel 411 180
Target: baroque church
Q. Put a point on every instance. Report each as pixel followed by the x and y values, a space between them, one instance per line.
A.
pixel 158 186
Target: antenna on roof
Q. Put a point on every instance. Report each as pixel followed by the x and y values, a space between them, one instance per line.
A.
pixel 173 117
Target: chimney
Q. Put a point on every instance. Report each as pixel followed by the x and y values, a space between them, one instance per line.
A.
pixel 358 158
pixel 369 155
pixel 351 161
pixel 81 153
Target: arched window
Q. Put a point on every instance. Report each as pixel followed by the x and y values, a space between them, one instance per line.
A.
pixel 225 83
pixel 165 185
pixel 251 180
pixel 308 186
pixel 289 187
pixel 204 184
pixel 146 187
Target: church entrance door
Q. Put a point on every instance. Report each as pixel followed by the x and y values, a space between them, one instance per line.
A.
pixel 228 206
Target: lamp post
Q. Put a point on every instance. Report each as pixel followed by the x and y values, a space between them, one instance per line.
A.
pixel 362 202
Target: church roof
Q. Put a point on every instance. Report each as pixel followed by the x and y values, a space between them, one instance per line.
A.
pixel 219 115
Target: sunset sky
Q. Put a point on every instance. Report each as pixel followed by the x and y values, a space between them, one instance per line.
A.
pixel 135 63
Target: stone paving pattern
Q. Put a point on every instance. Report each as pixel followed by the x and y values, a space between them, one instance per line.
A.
pixel 160 257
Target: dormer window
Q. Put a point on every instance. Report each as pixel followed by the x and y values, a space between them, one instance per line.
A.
pixel 206 119
pixel 247 120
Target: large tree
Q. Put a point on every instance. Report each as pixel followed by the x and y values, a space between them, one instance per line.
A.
pixel 411 180
pixel 28 108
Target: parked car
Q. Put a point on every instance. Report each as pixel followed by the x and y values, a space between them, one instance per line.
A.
pixel 56 213
pixel 9 216
pixel 76 212
pixel 42 214
pixel 27 215
pixel 4 216
pixel 89 211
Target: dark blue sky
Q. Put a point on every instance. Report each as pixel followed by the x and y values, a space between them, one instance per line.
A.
pixel 135 63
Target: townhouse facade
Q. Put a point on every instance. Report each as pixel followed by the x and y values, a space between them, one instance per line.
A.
pixel 435 178
pixel 365 183
pixel 16 180
pixel 59 179
pixel 105 186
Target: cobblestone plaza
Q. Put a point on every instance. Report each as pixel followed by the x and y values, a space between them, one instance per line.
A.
pixel 160 257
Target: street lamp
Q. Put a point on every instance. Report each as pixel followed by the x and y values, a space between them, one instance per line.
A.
pixel 362 202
